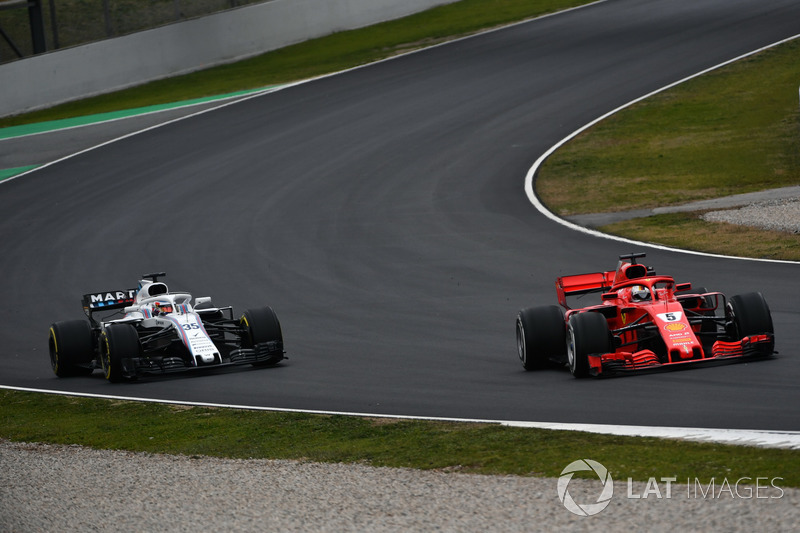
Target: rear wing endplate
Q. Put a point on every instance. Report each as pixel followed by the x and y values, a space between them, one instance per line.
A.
pixel 583 284
pixel 106 301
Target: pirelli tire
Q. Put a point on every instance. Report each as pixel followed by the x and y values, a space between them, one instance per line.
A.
pixel 587 334
pixel 541 336
pixel 71 348
pixel 261 326
pixel 119 345
pixel 750 315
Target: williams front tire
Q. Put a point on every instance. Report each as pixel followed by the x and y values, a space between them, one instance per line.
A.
pixel 261 326
pixel 119 345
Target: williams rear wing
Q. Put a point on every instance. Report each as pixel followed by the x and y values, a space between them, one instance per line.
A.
pixel 107 301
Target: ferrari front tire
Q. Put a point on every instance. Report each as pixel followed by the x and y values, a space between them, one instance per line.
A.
pixel 587 334
pixel 118 343
pixel 71 350
pixel 260 326
pixel 541 335
pixel 750 315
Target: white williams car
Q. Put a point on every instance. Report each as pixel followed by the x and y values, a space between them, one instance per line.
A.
pixel 161 331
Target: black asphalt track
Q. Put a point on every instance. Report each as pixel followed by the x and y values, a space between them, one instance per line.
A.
pixel 381 213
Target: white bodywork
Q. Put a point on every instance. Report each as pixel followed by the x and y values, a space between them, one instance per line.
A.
pixel 155 307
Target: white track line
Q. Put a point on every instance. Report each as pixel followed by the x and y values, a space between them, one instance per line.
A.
pixel 742 437
pixel 530 177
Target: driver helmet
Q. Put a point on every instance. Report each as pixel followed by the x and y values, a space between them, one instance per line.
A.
pixel 640 293
pixel 161 308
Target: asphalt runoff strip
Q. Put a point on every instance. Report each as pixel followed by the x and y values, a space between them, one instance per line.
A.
pixel 594 220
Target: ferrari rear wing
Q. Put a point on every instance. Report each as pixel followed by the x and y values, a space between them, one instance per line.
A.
pixel 583 284
pixel 106 301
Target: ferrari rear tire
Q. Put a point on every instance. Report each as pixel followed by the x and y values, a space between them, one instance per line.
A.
pixel 750 315
pixel 118 343
pixel 262 325
pixel 587 334
pixel 71 350
pixel 541 335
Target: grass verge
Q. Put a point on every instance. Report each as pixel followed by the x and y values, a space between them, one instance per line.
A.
pixel 688 231
pixel 732 131
pixel 462 447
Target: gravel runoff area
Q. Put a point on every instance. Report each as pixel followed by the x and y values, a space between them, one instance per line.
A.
pixel 776 215
pixel 73 488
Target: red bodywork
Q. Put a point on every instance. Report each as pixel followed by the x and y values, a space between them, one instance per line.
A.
pixel 673 327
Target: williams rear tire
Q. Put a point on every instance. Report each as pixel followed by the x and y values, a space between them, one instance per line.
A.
pixel 71 350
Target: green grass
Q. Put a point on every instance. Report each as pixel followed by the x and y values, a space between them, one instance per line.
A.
pixel 333 53
pixel 731 131
pixel 688 231
pixel 462 447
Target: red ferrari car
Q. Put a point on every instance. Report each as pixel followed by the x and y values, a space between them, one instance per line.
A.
pixel 642 321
